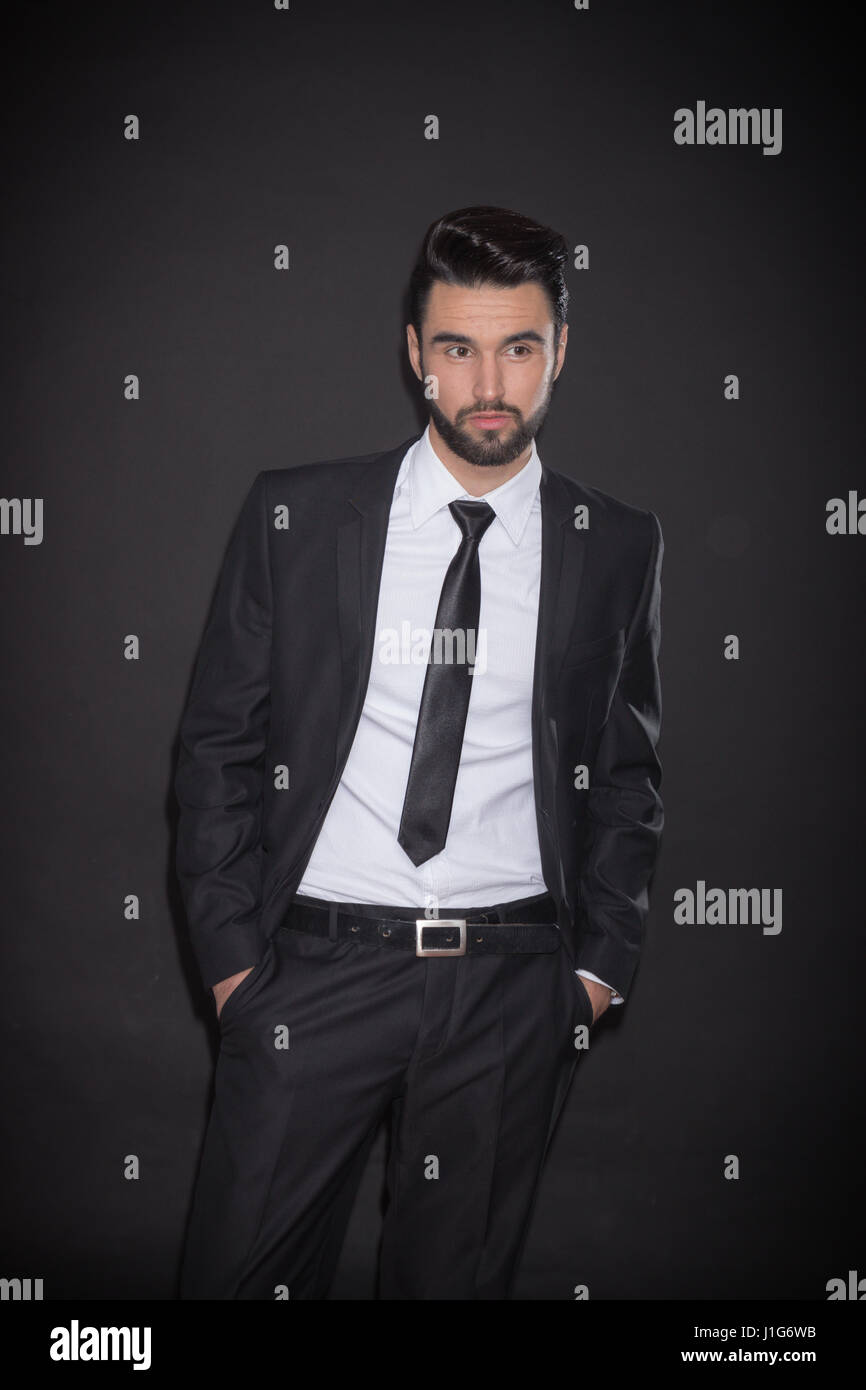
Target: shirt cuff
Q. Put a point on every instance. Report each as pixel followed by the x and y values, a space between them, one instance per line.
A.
pixel 615 998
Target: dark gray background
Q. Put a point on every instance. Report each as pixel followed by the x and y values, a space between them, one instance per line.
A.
pixel 155 257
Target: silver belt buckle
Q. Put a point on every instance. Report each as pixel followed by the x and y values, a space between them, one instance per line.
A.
pixel 422 922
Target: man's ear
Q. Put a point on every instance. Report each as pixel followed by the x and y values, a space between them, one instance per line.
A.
pixel 560 351
pixel 414 349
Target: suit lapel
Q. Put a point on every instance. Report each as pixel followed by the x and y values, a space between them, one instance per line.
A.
pixel 562 565
pixel 360 557
pixel 562 560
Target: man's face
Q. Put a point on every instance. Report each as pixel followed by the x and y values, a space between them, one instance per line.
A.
pixel 491 352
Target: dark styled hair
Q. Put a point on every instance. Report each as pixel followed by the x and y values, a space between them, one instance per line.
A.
pixel 485 245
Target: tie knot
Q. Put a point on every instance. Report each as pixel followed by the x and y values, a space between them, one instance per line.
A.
pixel 473 518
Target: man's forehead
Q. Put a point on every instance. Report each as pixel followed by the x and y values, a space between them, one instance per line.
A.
pixel 526 301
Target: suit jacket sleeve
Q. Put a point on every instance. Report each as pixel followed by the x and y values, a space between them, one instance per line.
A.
pixel 223 735
pixel 624 805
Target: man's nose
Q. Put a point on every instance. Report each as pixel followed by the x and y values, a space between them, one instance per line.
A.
pixel 488 381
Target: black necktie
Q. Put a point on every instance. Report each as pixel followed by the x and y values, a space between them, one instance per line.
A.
pixel 445 697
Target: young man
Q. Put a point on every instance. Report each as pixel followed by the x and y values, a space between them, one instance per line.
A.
pixel 419 806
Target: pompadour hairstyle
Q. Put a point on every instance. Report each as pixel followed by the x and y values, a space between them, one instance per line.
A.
pixel 479 245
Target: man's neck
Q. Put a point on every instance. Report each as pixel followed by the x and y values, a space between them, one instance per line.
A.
pixel 476 479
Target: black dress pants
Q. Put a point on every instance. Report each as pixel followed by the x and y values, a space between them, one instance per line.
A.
pixel 474 1053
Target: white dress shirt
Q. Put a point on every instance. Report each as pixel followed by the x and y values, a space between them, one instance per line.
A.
pixel 492 853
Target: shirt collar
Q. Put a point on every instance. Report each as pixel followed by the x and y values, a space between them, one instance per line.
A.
pixel 431 487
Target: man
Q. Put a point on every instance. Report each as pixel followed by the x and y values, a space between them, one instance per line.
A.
pixel 418 786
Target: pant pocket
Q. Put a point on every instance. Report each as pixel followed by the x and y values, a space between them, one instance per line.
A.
pixel 246 988
pixel 584 1001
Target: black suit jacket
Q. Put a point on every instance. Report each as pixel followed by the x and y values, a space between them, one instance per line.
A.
pixel 282 672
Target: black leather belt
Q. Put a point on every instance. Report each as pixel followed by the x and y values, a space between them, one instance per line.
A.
pixel 526 926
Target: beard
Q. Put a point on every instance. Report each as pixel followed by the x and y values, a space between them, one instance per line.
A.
pixel 490 451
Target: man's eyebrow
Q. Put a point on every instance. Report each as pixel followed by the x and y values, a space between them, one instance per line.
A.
pixel 529 336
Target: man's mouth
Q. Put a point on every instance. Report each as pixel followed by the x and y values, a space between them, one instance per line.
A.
pixel 489 422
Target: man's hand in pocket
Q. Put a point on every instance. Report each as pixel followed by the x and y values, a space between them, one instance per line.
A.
pixel 223 989
pixel 599 997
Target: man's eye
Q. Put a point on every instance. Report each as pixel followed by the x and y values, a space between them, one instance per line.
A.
pixel 520 348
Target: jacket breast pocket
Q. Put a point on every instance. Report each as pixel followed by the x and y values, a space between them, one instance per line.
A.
pixel 583 653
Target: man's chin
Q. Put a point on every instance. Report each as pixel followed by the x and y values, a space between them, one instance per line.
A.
pixel 491 452
pixel 485 448
pixel 482 448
